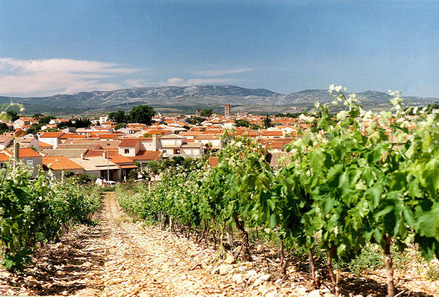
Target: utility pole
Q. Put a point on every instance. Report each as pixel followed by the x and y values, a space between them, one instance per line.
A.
pixel 108 163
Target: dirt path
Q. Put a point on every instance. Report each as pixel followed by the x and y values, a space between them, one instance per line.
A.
pixel 149 262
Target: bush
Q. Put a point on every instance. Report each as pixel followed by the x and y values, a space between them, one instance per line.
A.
pixel 36 210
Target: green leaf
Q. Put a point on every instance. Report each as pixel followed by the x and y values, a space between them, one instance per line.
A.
pixel 273 221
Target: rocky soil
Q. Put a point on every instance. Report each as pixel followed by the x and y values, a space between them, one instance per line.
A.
pixel 120 258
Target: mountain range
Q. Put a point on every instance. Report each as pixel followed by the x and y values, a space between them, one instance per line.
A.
pixel 186 99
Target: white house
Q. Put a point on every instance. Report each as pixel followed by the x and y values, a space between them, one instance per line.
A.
pixel 52 138
pixel 176 145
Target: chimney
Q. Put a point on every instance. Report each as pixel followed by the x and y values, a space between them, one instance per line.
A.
pixel 154 142
pixel 16 153
pixel 82 157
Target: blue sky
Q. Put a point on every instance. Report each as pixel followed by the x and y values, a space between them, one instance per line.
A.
pixel 50 47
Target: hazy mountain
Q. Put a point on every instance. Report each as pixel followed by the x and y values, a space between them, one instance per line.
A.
pixel 187 99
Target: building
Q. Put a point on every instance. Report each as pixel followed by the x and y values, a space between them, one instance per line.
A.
pixel 227 110
pixel 5 141
pixel 27 156
pixel 52 138
pixel 177 146
pixel 60 164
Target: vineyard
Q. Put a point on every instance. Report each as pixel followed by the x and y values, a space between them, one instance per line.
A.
pixel 37 211
pixel 354 180
pixel 354 185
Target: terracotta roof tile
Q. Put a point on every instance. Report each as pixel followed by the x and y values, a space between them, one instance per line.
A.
pixel 129 142
pixel 147 156
pixel 60 163
pixel 44 145
pixel 52 135
pixel 213 161
pixel 4 157
pixel 27 153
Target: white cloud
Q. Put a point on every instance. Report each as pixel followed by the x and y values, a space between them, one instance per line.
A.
pixel 176 81
pixel 220 72
pixel 51 76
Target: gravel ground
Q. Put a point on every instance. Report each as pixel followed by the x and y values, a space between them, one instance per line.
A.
pixel 120 258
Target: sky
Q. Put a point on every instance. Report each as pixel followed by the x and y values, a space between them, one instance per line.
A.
pixel 52 47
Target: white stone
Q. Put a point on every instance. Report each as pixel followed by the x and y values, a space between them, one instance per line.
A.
pixel 225 268
pixel 230 260
pixel 315 293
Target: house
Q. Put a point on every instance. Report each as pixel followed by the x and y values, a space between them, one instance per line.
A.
pixel 99 167
pixel 271 134
pixel 59 164
pixel 5 141
pixel 130 147
pixel 212 141
pixel 144 157
pixel 176 145
pixel 103 119
pixel 4 159
pixel 275 144
pixel 31 158
pixel 43 145
pixel 52 138
pixel 19 123
pixel 125 164
pixel 28 141
pixel 27 156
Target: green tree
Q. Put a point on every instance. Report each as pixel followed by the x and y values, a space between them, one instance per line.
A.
pixel 206 112
pixel 120 126
pixel 118 116
pixel 195 120
pixel 141 114
pixel 12 115
pixel 79 123
pixel 62 125
pixel 45 120
pixel 4 128
pixel 255 127
pixel 242 123
pixel 34 129
pixel 267 122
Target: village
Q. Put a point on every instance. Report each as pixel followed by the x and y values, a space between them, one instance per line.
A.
pixel 110 153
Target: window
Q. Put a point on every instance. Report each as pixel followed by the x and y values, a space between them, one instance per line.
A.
pixel 30 163
pixel 127 151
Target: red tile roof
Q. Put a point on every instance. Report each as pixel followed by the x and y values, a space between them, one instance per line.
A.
pixel 72 135
pixel 271 133
pixel 27 153
pixel 108 136
pixel 52 135
pixel 4 157
pixel 147 156
pixel 44 145
pixel 60 163
pixel 118 159
pixel 213 161
pixel 129 142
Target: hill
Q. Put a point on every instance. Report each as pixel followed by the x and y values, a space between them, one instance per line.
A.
pixel 187 99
